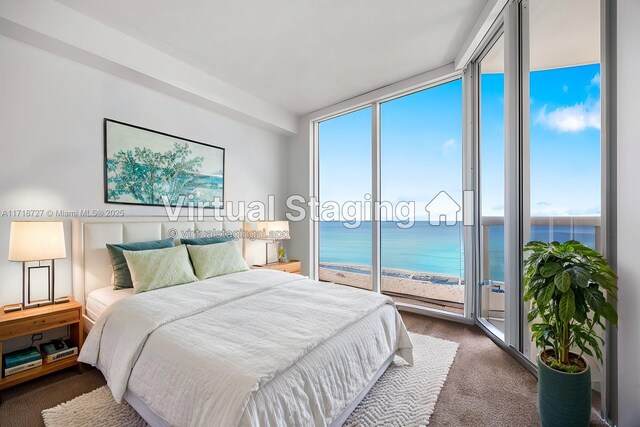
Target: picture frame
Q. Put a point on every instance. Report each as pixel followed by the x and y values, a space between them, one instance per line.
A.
pixel 151 168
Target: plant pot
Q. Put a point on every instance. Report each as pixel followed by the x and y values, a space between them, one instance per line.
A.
pixel 564 399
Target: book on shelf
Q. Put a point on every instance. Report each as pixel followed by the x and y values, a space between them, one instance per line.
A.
pixel 23 367
pixel 58 349
pixel 20 357
pixel 21 360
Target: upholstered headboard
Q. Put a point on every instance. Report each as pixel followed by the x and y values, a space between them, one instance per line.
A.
pixel 91 262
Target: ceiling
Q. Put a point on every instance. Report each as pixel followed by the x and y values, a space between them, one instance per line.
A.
pixel 562 34
pixel 299 55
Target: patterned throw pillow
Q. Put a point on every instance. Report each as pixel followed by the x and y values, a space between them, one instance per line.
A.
pixel 121 275
pixel 216 260
pixel 159 268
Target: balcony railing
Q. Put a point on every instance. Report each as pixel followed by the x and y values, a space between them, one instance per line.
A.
pixel 434 294
pixel 552 221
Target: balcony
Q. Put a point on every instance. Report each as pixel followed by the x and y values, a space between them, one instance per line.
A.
pixel 447 292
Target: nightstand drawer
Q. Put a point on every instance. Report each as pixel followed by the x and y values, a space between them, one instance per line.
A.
pixel 293 267
pixel 25 326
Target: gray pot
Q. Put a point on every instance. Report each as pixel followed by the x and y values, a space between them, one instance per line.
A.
pixel 564 399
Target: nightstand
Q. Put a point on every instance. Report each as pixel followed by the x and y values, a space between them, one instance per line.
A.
pixel 35 320
pixel 292 266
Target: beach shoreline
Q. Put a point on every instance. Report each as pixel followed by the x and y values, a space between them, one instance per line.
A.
pixel 432 286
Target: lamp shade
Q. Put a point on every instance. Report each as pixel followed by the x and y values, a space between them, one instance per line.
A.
pixel 36 241
pixel 278 230
pixel 270 230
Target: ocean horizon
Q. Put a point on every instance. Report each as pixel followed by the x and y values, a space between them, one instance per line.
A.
pixel 427 248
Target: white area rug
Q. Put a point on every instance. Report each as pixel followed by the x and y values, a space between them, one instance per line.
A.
pixel 96 409
pixel 404 396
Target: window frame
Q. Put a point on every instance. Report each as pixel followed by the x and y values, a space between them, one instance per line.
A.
pixel 397 91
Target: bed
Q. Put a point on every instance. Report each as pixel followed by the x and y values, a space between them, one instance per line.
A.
pixel 260 347
pixel 100 299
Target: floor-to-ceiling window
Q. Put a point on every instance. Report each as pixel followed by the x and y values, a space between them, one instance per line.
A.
pixel 344 175
pixel 420 209
pixel 564 200
pixel 421 190
pixel 536 123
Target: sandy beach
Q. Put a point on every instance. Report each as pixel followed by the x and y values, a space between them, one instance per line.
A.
pixel 411 283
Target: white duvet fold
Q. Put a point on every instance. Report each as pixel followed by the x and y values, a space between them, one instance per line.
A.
pixel 208 352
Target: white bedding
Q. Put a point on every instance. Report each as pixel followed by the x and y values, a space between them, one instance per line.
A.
pixel 100 299
pixel 255 348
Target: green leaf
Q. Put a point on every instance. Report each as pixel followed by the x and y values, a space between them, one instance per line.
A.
pixel 580 277
pixel 548 294
pixel 549 269
pixel 594 298
pixel 609 313
pixel 581 306
pixel 567 306
pixel 562 280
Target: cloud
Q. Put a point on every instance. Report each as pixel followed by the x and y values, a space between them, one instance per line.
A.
pixel 574 119
pixel 565 88
pixel 448 145
pixel 595 81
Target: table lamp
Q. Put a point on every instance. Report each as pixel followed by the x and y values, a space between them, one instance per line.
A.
pixel 272 232
pixel 37 245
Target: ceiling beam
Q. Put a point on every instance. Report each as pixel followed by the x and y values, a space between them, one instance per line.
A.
pixel 65 32
pixel 485 20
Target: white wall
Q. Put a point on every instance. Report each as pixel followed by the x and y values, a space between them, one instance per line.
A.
pixel 300 156
pixel 51 117
pixel 628 211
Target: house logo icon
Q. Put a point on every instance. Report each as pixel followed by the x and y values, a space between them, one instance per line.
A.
pixel 442 209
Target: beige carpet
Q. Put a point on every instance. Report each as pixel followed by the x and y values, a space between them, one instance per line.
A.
pixel 404 396
pixel 486 387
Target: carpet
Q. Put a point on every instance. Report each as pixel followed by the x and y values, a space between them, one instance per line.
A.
pixel 404 395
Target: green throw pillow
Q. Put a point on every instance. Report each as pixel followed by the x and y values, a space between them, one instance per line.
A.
pixel 217 260
pixel 206 240
pixel 159 268
pixel 121 275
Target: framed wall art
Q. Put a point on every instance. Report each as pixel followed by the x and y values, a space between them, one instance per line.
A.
pixel 147 167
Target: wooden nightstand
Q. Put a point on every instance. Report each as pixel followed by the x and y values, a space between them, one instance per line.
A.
pixel 292 266
pixel 35 320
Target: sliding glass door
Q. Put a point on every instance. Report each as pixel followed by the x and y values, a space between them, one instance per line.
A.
pixel 492 290
pixel 538 137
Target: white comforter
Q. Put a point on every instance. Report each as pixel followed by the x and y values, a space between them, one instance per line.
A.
pixel 255 348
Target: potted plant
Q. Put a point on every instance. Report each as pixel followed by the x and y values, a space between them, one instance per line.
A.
pixel 566 284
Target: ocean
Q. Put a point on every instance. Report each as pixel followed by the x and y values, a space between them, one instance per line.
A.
pixel 427 248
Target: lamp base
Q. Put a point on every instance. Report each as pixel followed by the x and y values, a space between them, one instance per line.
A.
pixel 12 307
pixel 61 300
pixel 38 303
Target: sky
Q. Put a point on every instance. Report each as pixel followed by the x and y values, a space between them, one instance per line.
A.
pixel 421 146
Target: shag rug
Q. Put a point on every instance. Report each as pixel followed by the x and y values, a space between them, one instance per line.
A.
pixel 404 395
